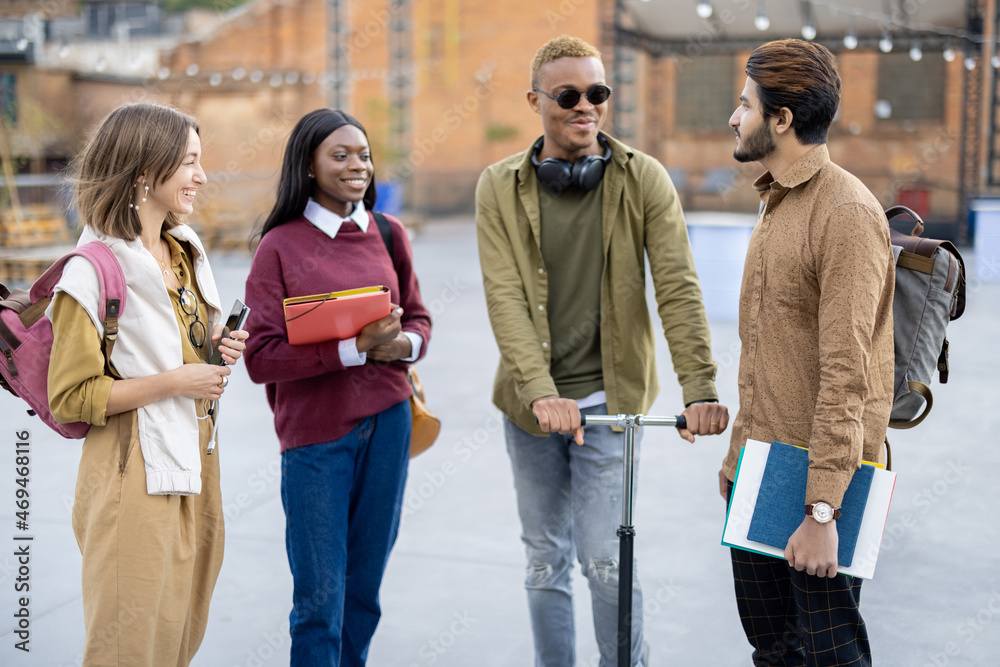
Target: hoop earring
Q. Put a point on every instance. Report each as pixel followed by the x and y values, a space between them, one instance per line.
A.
pixel 144 194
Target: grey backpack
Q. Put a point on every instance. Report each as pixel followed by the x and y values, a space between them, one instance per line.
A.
pixel 930 292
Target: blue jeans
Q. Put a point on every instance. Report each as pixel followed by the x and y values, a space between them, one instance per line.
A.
pixel 569 498
pixel 342 503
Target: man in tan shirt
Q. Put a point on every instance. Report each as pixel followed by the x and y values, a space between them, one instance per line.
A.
pixel 816 367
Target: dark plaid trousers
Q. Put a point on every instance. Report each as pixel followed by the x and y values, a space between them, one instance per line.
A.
pixel 794 619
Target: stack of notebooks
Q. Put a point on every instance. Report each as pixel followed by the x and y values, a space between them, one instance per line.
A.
pixel 768 505
pixel 318 318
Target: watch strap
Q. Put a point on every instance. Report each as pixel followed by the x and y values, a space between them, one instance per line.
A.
pixel 809 511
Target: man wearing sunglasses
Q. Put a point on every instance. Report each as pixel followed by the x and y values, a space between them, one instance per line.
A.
pixel 564 228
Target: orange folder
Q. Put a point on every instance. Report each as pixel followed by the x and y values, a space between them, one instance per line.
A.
pixel 336 316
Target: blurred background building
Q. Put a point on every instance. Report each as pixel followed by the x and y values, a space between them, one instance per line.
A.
pixel 440 86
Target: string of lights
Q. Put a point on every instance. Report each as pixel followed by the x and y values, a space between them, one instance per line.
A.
pixel 887 24
pixel 705 10
pixel 63 46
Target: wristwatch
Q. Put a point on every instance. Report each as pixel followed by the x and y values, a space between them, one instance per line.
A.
pixel 822 512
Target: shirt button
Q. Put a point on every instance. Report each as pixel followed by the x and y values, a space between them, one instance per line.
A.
pixel 767 217
pixel 759 254
pixel 756 296
pixel 540 270
pixel 544 344
pixel 749 382
pixel 541 307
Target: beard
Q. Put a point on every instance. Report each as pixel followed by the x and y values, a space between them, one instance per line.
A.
pixel 755 146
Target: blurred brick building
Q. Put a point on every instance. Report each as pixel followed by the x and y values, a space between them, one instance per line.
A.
pixel 440 85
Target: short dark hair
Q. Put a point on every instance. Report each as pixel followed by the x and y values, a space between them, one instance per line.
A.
pixel 801 76
pixel 294 185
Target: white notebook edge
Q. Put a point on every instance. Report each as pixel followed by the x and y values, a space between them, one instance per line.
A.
pixel 749 474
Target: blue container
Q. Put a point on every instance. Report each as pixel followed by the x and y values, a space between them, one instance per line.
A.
pixel 986 213
pixel 719 245
pixel 389 197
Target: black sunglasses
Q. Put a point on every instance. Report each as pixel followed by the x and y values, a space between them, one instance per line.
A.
pixel 569 98
pixel 189 304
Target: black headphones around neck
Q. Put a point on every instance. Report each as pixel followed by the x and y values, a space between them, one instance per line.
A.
pixel 557 174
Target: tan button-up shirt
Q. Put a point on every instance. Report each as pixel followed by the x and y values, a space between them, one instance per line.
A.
pixel 816 367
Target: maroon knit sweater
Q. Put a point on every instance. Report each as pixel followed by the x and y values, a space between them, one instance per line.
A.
pixel 313 396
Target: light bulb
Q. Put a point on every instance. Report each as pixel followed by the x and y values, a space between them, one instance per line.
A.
pixel 704 9
pixel 995 61
pixel 850 41
pixel 885 44
pixel 809 31
pixel 192 69
pixel 883 109
pixel 916 53
pixel 970 63
pixel 762 22
pixel 949 54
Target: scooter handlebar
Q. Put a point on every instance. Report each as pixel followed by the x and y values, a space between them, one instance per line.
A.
pixel 680 422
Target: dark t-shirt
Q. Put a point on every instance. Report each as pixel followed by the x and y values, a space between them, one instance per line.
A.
pixel 572 248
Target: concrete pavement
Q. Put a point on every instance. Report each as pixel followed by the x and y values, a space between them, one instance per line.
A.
pixel 453 594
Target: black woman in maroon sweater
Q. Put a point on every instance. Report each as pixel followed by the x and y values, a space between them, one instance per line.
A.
pixel 341 409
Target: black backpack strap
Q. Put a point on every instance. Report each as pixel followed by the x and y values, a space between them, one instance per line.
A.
pixel 385 231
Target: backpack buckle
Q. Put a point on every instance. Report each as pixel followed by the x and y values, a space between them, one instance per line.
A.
pixel 9 355
pixel 943 362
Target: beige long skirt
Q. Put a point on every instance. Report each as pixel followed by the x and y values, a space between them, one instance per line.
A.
pixel 150 563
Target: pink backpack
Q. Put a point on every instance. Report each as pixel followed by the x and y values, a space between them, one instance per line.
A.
pixel 26 333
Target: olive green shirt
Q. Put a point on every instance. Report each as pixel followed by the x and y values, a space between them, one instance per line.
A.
pixel 640 215
pixel 574 262
pixel 816 366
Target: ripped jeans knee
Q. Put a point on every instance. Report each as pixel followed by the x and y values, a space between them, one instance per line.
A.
pixel 602 572
pixel 539 574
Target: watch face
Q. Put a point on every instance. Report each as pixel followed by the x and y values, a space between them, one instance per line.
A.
pixel 822 512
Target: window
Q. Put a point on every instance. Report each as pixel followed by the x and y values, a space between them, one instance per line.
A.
pixel 8 98
pixel 705 92
pixel 908 90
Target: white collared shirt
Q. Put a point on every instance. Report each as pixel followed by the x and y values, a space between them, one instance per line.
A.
pixel 329 223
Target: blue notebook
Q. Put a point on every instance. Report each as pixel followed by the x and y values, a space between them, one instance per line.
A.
pixel 782 498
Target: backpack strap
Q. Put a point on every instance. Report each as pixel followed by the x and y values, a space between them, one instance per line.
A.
pixel 111 280
pixel 923 390
pixel 385 231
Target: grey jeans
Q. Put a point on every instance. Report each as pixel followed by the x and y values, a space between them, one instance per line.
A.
pixel 569 498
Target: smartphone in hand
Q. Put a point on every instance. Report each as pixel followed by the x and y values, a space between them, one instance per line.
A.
pixel 235 322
